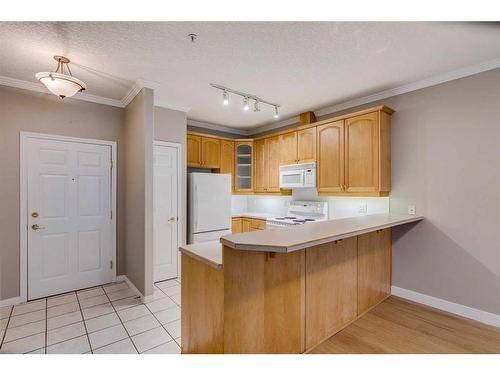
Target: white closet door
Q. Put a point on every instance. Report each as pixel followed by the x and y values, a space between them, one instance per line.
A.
pixel 166 224
pixel 69 216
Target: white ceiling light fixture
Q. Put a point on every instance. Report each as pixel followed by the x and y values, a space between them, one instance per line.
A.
pixel 58 82
pixel 225 97
pixel 246 99
pixel 276 114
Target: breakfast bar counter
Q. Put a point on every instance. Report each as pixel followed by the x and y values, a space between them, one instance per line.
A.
pixel 285 290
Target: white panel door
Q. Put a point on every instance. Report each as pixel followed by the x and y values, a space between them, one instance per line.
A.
pixel 166 224
pixel 70 244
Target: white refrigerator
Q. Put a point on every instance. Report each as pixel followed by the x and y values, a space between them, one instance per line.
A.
pixel 209 206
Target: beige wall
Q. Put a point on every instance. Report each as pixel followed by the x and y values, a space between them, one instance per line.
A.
pixel 22 110
pixel 170 126
pixel 446 161
pixel 138 135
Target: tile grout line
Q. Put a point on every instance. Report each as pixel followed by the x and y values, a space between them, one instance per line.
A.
pixel 161 325
pixel 83 320
pixel 6 327
pixel 121 321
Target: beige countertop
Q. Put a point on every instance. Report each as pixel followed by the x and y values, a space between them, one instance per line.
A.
pixel 256 215
pixel 209 253
pixel 288 239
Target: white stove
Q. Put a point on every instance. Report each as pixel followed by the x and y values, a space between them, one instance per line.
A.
pixel 301 212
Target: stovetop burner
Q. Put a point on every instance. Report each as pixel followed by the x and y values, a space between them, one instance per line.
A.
pixel 285 218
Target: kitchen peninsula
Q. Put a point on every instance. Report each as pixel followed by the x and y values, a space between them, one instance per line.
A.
pixel 285 290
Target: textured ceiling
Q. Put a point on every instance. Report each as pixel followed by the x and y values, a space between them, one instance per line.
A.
pixel 301 66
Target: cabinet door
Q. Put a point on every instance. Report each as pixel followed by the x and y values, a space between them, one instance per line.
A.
pixel 330 147
pixel 273 164
pixel 258 224
pixel 288 148
pixel 361 153
pixel 227 158
pixel 246 225
pixel 193 150
pixel 331 288
pixel 374 268
pixel 236 225
pixel 244 166
pixel 261 175
pixel 210 152
pixel 306 145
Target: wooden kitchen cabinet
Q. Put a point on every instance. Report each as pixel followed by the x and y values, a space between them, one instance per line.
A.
pixel 236 225
pixel 267 162
pixel 260 171
pixel 306 145
pixel 258 224
pixel 246 224
pixel 288 145
pixel 374 268
pixel 227 158
pixel 203 151
pixel 329 309
pixel 330 168
pixel 210 152
pixel 244 166
pixel 193 150
pixel 354 156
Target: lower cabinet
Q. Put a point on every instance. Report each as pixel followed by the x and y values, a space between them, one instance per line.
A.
pixel 245 224
pixel 374 268
pixel 331 289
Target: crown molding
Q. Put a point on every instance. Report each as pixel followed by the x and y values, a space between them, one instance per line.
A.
pixel 221 128
pixel 38 87
pixel 136 88
pixel 414 86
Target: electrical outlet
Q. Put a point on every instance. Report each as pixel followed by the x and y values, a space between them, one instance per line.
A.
pixel 411 209
pixel 362 208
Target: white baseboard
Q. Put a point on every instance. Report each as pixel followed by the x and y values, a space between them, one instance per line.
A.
pixel 11 301
pixel 451 307
pixel 144 299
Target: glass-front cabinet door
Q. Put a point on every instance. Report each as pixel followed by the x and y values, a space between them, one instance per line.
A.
pixel 243 161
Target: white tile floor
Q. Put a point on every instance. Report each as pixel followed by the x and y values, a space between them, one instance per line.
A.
pixel 108 319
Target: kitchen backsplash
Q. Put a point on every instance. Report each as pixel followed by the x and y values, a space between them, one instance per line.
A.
pixel 339 207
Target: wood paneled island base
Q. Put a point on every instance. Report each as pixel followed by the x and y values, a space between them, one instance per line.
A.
pixel 266 302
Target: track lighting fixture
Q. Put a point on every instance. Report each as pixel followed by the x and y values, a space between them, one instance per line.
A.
pixel 225 97
pixel 247 98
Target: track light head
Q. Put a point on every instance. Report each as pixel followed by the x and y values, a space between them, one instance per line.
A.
pixel 276 114
pixel 246 105
pixel 225 97
pixel 256 107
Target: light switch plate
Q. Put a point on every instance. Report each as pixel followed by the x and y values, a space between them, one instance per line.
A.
pixel 411 209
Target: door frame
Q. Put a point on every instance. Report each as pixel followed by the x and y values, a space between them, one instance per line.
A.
pixel 180 212
pixel 23 200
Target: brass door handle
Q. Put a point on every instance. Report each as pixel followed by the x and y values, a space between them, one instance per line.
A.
pixel 172 220
pixel 36 227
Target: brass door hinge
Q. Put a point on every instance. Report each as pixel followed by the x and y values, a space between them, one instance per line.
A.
pixel 111 264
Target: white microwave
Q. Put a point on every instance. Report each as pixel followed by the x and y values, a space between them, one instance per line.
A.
pixel 298 176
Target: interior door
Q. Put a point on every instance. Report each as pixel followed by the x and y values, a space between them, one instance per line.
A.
pixel 70 236
pixel 166 224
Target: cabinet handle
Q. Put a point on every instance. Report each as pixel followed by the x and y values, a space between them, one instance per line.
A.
pixel 378 230
pixel 337 241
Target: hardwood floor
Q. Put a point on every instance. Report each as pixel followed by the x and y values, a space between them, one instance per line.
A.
pixel 400 326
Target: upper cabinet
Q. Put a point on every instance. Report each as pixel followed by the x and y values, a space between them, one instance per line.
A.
pixel 288 145
pixel 193 150
pixel 243 163
pixel 267 165
pixel 306 145
pixel 354 154
pixel 298 146
pixel 203 151
pixel 330 168
pixel 227 158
